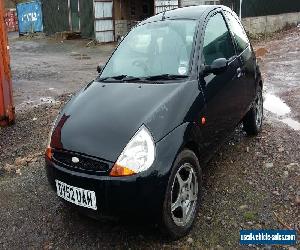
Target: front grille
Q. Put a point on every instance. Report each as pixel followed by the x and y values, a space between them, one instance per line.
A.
pixel 87 164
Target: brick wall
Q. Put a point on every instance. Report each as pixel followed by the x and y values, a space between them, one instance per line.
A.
pixel 121 28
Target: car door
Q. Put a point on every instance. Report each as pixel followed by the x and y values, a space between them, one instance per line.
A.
pixel 222 91
pixel 246 59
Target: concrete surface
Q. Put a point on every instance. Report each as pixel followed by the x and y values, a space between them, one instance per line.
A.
pixel 45 68
pixel 271 23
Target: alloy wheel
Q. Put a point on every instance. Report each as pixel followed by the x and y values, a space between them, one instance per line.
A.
pixel 184 195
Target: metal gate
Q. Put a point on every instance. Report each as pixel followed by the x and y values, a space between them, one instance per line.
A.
pixel 104 23
pixel 162 5
pixel 74 12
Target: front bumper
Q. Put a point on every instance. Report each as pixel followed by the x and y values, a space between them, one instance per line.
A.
pixel 142 194
pixel 139 195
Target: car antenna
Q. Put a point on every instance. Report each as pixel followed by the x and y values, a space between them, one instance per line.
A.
pixel 164 15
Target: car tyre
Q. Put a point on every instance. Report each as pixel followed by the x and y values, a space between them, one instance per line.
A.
pixel 182 195
pixel 252 122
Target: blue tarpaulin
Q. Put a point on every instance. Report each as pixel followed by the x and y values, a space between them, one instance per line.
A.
pixel 30 17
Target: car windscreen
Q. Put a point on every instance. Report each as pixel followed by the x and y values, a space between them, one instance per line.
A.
pixel 153 49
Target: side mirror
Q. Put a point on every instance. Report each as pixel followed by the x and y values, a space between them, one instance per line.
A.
pixel 99 69
pixel 218 66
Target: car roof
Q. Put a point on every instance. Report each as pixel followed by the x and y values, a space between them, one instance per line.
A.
pixel 192 12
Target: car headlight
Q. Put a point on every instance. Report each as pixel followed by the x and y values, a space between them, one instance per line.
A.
pixel 138 155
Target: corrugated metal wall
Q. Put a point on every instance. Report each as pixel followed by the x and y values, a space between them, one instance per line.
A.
pixel 252 8
pixel 55 16
pixel 104 23
pixel 87 18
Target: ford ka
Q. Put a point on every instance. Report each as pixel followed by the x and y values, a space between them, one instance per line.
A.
pixel 135 140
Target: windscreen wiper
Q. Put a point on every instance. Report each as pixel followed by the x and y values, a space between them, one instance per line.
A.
pixel 126 78
pixel 122 78
pixel 111 78
pixel 165 77
pixel 134 79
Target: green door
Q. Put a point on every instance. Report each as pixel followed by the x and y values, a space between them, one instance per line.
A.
pixel 75 19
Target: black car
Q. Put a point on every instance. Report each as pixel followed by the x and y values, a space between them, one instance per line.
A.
pixel 135 140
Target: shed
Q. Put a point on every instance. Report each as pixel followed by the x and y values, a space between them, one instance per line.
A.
pixel 104 20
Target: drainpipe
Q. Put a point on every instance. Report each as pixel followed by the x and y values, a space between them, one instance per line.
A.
pixel 7 110
pixel 241 1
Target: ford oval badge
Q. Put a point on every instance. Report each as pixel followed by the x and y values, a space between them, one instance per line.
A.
pixel 75 160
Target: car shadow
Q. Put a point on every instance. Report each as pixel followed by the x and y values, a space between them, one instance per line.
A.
pixel 125 232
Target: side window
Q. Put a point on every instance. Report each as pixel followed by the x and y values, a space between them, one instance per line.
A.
pixel 217 40
pixel 239 33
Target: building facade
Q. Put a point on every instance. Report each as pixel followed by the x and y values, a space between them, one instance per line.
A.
pixel 104 20
pixel 109 20
pixel 199 2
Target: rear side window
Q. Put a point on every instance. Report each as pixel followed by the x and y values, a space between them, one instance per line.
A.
pixel 217 40
pixel 239 33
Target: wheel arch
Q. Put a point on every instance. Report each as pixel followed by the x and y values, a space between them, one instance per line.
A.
pixel 192 145
pixel 183 137
pixel 260 83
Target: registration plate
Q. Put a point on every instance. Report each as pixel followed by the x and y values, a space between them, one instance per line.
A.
pixel 75 195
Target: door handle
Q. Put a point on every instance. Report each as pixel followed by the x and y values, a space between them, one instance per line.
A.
pixel 239 73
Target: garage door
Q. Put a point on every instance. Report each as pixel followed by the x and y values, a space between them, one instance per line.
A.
pixel 104 24
pixel 162 5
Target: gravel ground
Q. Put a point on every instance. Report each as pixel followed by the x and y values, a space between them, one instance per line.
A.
pixel 43 69
pixel 252 183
